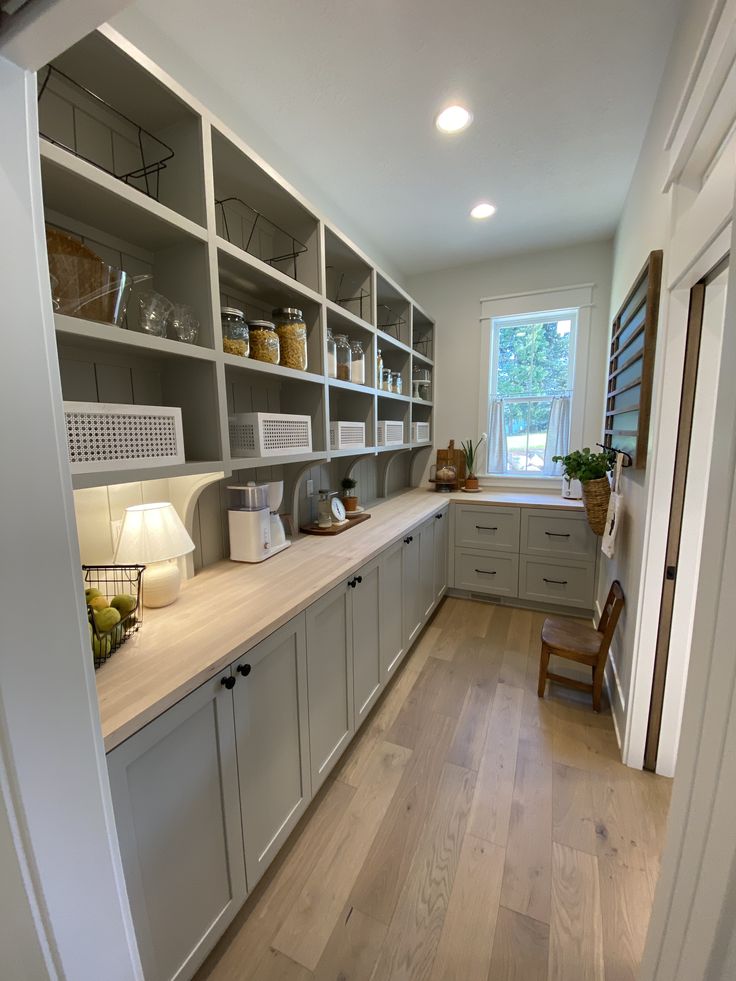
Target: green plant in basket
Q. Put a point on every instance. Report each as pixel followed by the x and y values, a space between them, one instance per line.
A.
pixel 583 465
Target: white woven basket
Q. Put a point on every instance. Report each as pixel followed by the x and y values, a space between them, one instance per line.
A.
pixel 390 432
pixel 420 432
pixel 347 435
pixel 267 434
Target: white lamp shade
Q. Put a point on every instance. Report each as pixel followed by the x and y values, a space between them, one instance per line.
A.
pixel 152 533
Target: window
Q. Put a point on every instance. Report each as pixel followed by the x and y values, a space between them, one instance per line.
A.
pixel 530 388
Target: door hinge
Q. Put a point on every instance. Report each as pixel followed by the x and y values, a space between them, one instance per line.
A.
pixel 671 572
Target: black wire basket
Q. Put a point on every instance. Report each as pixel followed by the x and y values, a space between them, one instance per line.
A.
pixel 242 225
pixel 112 581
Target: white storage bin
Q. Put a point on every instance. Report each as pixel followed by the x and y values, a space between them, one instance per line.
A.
pixel 106 436
pixel 269 434
pixel 420 432
pixel 390 432
pixel 347 435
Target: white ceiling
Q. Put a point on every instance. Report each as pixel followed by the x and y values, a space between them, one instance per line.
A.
pixel 561 91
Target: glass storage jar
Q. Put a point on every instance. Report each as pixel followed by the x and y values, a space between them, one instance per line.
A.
pixel 343 357
pixel 292 331
pixel 324 508
pixel 235 338
pixel 357 363
pixel 264 341
pixel 331 355
pixel 386 379
pixel 397 383
pixel 379 368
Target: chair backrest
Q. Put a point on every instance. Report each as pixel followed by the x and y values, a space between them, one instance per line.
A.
pixel 611 612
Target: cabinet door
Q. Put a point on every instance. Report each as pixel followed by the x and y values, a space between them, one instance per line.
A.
pixel 329 680
pixel 365 598
pixel 391 621
pixel 426 568
pixel 175 794
pixel 410 588
pixel 440 553
pixel 272 736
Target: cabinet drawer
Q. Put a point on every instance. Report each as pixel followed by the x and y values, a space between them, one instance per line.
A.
pixel 487 527
pixel 487 572
pixel 554 533
pixel 564 583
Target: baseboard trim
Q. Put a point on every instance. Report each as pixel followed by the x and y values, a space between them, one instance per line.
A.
pixel 615 692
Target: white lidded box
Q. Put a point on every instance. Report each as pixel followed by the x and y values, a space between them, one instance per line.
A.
pixel 107 436
pixel 390 432
pixel 420 432
pixel 269 434
pixel 347 435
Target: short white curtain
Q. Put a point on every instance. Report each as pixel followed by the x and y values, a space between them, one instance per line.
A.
pixel 496 438
pixel 558 434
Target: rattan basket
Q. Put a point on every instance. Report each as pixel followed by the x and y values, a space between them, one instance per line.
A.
pixel 595 497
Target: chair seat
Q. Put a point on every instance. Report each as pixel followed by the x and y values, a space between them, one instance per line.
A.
pixel 568 635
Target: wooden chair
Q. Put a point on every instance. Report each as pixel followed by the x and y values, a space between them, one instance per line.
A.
pixel 580 642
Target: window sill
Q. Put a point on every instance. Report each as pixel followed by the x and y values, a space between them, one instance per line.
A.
pixel 514 481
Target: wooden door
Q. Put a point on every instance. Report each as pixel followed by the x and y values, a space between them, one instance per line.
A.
pixel 440 553
pixel 177 811
pixel 412 613
pixel 366 614
pixel 272 734
pixel 329 680
pixel 391 600
pixel 426 568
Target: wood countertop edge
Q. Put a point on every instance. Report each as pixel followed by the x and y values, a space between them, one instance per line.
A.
pixel 121 721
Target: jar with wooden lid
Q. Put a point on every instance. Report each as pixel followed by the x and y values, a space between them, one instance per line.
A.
pixel 264 341
pixel 235 338
pixel 331 355
pixel 343 357
pixel 357 363
pixel 292 331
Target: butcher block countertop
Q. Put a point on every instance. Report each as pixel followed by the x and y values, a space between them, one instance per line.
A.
pixel 230 607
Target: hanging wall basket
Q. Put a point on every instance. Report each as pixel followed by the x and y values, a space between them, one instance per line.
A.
pixel 596 494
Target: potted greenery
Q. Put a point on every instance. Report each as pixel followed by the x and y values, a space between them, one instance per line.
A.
pixel 591 469
pixel 349 499
pixel 471 455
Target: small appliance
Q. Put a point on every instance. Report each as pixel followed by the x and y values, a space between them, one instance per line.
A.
pixel 278 535
pixel 249 521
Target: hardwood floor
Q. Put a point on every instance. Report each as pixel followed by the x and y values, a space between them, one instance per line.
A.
pixel 472 832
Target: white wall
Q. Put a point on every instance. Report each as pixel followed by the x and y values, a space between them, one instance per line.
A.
pixel 453 297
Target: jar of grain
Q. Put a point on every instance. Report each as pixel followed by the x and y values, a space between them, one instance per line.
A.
pixel 331 355
pixel 357 363
pixel 292 331
pixel 264 341
pixel 235 338
pixel 343 357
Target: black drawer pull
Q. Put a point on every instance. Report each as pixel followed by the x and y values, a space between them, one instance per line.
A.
pixel 485 572
pixel 558 534
pixel 228 682
pixel 485 528
pixel 557 582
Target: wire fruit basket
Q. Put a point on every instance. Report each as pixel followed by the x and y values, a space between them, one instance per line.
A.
pixel 113 581
pixel 256 234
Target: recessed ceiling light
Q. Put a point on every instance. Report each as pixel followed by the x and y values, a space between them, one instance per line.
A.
pixel 454 119
pixel 483 210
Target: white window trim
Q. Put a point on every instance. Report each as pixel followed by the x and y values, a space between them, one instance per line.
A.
pixel 578 297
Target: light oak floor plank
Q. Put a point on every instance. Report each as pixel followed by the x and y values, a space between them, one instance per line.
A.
pixel 573 814
pixel 576 927
pixel 353 948
pixel 470 733
pixel 626 903
pixel 520 948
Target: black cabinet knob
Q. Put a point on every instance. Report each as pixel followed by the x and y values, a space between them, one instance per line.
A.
pixel 228 682
pixel 438 516
pixel 359 579
pixel 243 669
pixel 408 540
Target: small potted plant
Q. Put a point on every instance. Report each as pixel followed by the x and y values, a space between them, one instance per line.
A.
pixel 591 469
pixel 349 499
pixel 471 455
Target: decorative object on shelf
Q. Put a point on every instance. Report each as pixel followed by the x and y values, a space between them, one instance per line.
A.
pixel 354 514
pixel 420 432
pixel 443 477
pixel 314 528
pixel 357 363
pixel 324 508
pixel 278 532
pixel 183 324
pixel 349 499
pixel 82 285
pixel 455 458
pixel 251 521
pixel 154 535
pixel 264 341
pixel 331 354
pixel 343 357
pixel 235 336
pixel 631 365
pixel 269 434
pixel 292 331
pixel 113 597
pixel 347 435
pixel 390 432
pixel 397 383
pixel 253 232
pixel 127 140
pixel 154 311
pixel 338 511
pixel 386 380
pixel 591 469
pixel 615 511
pixel 104 436
pixel 421 384
pixel 471 456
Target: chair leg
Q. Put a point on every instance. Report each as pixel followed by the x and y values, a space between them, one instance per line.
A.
pixel 543 665
pixel 598 675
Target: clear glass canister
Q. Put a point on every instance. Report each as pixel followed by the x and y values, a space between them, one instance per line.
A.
pixel 357 363
pixel 386 379
pixel 331 355
pixel 235 339
pixel 379 368
pixel 292 333
pixel 324 508
pixel 264 341
pixel 343 357
pixel 397 384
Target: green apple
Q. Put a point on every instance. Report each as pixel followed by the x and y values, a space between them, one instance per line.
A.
pixel 89 594
pixel 124 603
pixel 106 619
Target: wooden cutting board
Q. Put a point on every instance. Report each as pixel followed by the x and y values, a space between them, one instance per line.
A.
pixel 314 528
pixel 453 458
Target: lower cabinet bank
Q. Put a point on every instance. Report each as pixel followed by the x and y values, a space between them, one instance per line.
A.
pixel 206 794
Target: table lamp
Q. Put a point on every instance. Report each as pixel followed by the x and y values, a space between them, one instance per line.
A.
pixel 153 534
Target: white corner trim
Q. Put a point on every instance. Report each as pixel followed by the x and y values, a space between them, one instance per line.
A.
pixel 615 692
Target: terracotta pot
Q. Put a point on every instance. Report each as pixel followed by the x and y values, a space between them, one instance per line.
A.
pixel 471 483
pixel 351 503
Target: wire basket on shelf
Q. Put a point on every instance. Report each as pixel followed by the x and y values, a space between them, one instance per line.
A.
pixel 423 346
pixel 251 231
pixel 97 132
pixel 349 296
pixel 390 322
pixel 112 581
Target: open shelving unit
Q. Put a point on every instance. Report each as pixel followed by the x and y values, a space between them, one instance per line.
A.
pixel 140 172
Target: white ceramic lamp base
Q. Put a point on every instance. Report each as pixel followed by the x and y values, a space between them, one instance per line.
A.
pixel 161 582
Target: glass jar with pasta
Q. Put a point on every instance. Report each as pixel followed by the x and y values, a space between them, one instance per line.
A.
pixel 292 331
pixel 234 332
pixel 264 341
